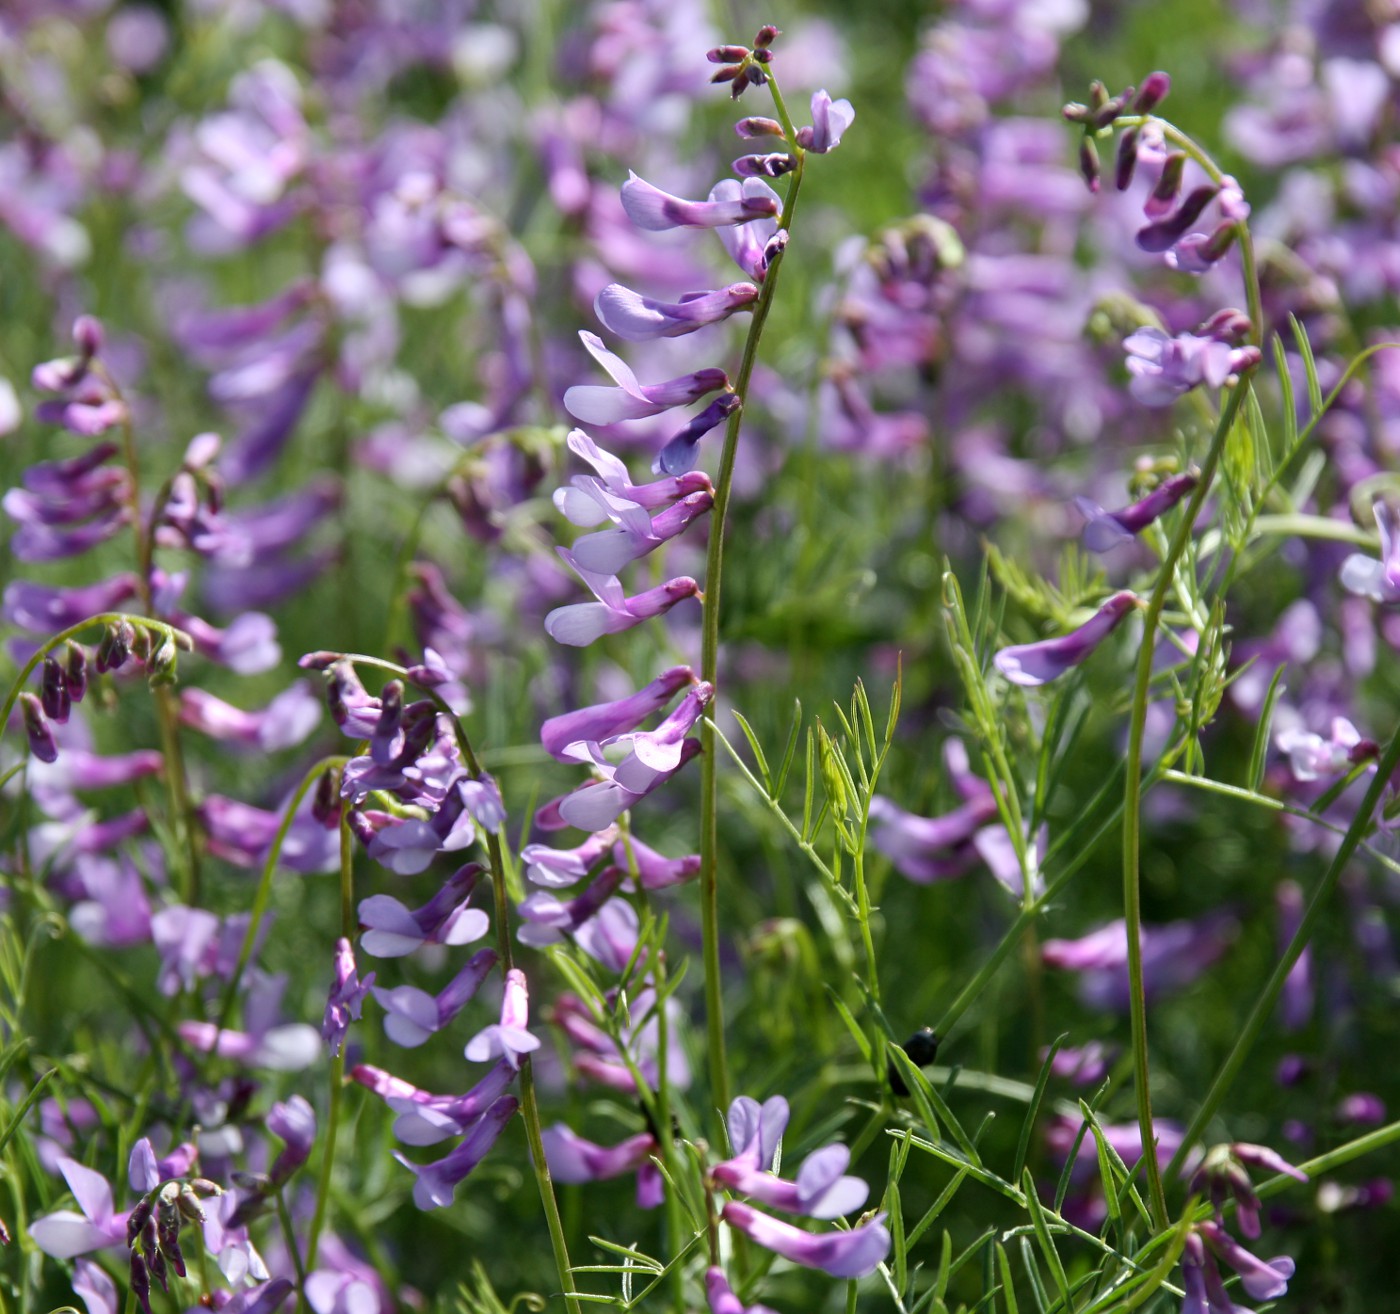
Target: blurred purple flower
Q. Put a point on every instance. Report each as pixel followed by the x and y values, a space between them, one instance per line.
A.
pixel 1163 368
pixel 1104 530
pixel 1173 955
pixel 1367 577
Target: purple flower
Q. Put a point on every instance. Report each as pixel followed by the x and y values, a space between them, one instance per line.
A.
pixel 1361 574
pixel 721 1297
pixel 1104 530
pixel 1261 1279
pixel 821 1190
pixel 292 1121
pixel 636 533
pixel 1032 664
pixel 572 1159
pixel 654 871
pixel 851 1254
pixel 285 722
pixel 581 503
pixel 548 917
pixel 1311 756
pixel 287 1048
pixel 610 937
pixel 392 931
pixel 64 1233
pixel 683 449
pixel 655 756
pixel 926 849
pixel 346 997
pixel 650 208
pixel 412 1016
pixel 580 623
pixel 751 246
pixel 1163 368
pixel 1173 956
pixel 636 318
pixel 426 1119
pixel 830 119
pixel 632 400
pixel 437 1182
pixel 607 720
pixel 557 868
pixel 509 1038
pixel 42 609
pixel 37 729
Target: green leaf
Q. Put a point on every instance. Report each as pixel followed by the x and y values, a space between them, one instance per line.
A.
pixel 1042 1234
pixel 760 760
pixel 1033 1111
pixel 1259 752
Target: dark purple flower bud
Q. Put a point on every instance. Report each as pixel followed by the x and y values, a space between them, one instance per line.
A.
pixel 726 74
pixel 1089 162
pixel 683 450
pixel 753 76
pixel 1227 325
pixel 1031 664
pixel 767 34
pixel 1152 92
pixel 325 801
pixel 1074 112
pixel 1165 233
pixel 137 1219
pixel 1125 162
pixel 168 1229
pixel 140 1281
pixel 161 664
pixel 53 692
pixel 346 997
pixel 727 54
pixel 756 126
pixel 764 166
pixel 87 333
pixel 115 648
pixel 1168 185
pixel 75 672
pixel 36 727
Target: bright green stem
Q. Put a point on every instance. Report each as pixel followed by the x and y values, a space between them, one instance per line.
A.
pixel 323 1179
pixel 709 657
pixel 1132 800
pixel 264 890
pixel 1264 1005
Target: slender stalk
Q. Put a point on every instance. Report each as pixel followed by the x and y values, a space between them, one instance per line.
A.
pixel 167 715
pixel 1264 1005
pixel 323 1179
pixel 1132 800
pixel 709 654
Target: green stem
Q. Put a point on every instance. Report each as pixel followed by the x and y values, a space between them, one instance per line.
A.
pixel 323 1179
pixel 1132 800
pixel 709 655
pixel 1264 1005
pixel 264 890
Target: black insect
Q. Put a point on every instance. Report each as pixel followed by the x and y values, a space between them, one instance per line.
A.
pixel 922 1049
